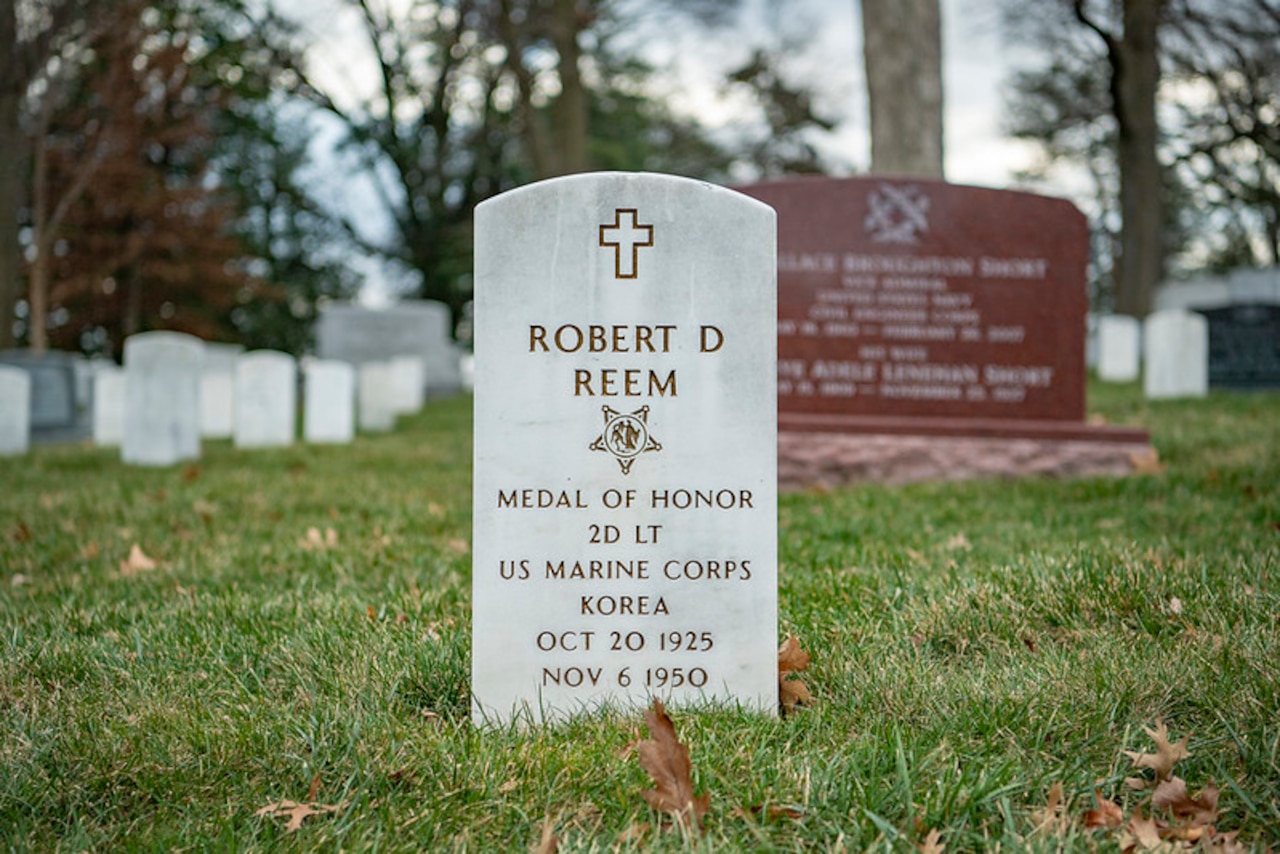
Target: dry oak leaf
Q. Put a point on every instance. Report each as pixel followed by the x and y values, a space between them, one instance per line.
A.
pixel 1172 795
pixel 549 843
pixel 315 541
pixel 1146 462
pixel 1050 819
pixel 773 811
pixel 1106 815
pixel 667 761
pixel 932 843
pixel 1162 761
pixel 296 812
pixel 1141 833
pixel 136 562
pixel 791 659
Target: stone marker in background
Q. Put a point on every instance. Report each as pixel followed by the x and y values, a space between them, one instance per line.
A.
pixel 1244 346
pixel 162 398
pixel 1119 348
pixel 928 330
pixel 1243 310
pixel 359 334
pixel 375 397
pixel 266 403
pixel 329 393
pixel 218 390
pixel 408 381
pixel 108 406
pixel 1175 354
pixel 53 386
pixel 625 505
pixel 15 411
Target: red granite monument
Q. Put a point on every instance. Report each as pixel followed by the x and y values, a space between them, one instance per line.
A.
pixel 941 325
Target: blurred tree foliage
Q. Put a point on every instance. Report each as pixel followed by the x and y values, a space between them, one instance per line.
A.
pixel 164 189
pixel 162 148
pixel 1217 153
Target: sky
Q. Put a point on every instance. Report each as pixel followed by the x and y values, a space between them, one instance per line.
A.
pixel 822 42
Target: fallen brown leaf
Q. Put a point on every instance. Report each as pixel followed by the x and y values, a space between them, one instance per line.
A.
pixel 550 843
pixel 792 692
pixel 1146 462
pixel 1106 815
pixel 1224 843
pixel 932 843
pixel 1049 820
pixel 769 813
pixel 21 533
pixel 314 789
pixel 1141 833
pixel 136 562
pixel 296 812
pixel 1172 795
pixel 667 761
pixel 1162 761
pixel 315 541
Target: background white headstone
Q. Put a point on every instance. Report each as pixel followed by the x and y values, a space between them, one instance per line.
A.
pixel 108 406
pixel 1175 354
pixel 1119 348
pixel 218 390
pixel 15 411
pixel 162 398
pixel 329 393
pixel 376 397
pixel 409 383
pixel 359 334
pixel 625 497
pixel 266 404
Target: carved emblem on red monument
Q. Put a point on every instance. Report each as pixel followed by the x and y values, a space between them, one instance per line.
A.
pixel 897 213
pixel 626 436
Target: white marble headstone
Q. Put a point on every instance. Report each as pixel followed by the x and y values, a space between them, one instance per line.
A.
pixel 218 390
pixel 1119 348
pixel 329 395
pixel 15 411
pixel 266 404
pixel 409 383
pixel 1175 354
pixel 625 489
pixel 162 398
pixel 376 397
pixel 108 406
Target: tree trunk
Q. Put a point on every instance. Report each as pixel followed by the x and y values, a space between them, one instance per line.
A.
pixel 1137 76
pixel 570 108
pixel 902 52
pixel 12 150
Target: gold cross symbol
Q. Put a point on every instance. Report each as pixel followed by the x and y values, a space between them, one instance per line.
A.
pixel 626 242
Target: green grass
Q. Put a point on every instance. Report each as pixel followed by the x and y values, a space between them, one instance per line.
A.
pixel 972 644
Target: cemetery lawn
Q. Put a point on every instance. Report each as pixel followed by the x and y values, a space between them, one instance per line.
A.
pixel 295 626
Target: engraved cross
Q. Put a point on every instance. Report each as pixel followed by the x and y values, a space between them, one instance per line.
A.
pixel 626 240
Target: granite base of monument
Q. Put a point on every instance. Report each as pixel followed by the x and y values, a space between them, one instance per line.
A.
pixel 808 460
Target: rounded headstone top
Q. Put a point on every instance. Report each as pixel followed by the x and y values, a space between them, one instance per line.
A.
pixel 163 346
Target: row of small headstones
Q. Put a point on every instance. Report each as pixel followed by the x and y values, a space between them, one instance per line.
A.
pixel 1173 344
pixel 174 391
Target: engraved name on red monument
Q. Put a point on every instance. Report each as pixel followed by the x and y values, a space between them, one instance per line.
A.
pixel 921 299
